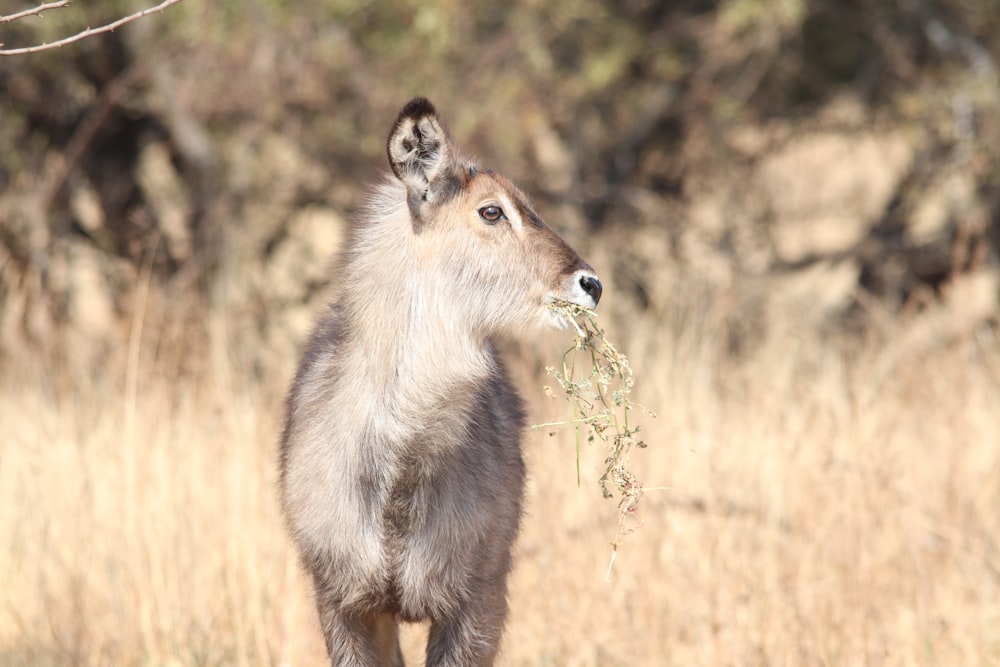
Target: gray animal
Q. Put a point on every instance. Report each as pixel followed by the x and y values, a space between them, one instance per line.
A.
pixel 401 469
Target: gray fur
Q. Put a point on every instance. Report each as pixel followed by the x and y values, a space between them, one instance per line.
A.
pixel 401 470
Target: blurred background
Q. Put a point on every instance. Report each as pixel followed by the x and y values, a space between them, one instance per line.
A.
pixel 795 207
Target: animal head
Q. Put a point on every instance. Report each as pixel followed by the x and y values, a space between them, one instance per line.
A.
pixel 478 240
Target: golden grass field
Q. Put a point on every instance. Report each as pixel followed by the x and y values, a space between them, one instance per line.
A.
pixel 828 504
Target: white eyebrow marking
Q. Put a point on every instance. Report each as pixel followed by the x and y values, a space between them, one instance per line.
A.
pixel 512 212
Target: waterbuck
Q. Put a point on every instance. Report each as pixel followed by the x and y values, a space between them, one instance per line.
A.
pixel 401 468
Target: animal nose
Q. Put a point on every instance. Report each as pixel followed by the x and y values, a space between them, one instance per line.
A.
pixel 592 286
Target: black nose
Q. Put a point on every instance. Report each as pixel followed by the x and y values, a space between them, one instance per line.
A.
pixel 592 286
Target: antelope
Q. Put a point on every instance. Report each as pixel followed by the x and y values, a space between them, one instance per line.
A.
pixel 401 474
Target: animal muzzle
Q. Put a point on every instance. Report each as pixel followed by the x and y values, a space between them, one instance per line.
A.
pixel 592 286
pixel 584 288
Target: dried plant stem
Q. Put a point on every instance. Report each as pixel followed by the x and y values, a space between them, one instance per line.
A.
pixel 600 401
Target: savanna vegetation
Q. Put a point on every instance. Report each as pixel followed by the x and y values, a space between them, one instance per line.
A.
pixel 794 206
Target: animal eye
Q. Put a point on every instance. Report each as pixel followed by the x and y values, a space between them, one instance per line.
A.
pixel 492 214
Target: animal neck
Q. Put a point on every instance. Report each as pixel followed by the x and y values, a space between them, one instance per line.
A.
pixel 408 343
pixel 407 350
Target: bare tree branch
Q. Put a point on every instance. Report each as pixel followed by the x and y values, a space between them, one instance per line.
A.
pixel 80 35
pixel 34 11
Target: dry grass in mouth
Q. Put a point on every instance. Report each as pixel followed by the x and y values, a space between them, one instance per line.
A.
pixel 598 390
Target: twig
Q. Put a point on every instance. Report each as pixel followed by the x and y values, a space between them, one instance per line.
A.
pixel 80 35
pixel 35 11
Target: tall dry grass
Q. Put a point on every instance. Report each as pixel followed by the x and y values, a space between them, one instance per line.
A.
pixel 828 504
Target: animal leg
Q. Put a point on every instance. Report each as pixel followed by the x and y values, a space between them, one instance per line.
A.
pixel 472 635
pixel 359 639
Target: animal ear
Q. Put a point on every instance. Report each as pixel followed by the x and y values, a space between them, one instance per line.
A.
pixel 419 150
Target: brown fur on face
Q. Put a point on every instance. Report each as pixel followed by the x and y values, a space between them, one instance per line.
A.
pixel 401 469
